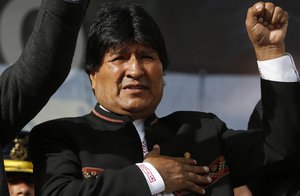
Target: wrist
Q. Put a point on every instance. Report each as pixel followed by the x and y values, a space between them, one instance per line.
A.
pixel 155 182
pixel 269 52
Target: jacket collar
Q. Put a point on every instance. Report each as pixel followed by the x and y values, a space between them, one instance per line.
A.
pixel 156 132
pixel 117 119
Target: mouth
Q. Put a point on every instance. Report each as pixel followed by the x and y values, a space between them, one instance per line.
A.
pixel 135 87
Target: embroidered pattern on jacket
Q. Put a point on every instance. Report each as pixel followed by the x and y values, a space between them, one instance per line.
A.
pixel 106 118
pixel 218 169
pixel 89 172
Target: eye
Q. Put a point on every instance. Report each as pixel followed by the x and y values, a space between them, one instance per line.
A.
pixel 147 57
pixel 118 58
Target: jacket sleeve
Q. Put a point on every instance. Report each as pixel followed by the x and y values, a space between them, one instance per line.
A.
pixel 27 85
pixel 281 114
pixel 273 148
pixel 58 170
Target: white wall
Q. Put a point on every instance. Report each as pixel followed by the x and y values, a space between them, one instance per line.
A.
pixel 231 97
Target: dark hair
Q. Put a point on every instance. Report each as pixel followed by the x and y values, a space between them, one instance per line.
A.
pixel 115 26
pixel 19 177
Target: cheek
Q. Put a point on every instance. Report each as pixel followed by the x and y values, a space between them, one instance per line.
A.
pixel 154 71
pixel 113 75
pixel 108 77
pixel 107 88
pixel 157 77
pixel 158 85
pixel 161 83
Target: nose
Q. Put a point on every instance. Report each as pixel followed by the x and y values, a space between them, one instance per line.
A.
pixel 135 68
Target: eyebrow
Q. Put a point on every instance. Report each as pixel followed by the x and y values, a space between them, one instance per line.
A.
pixel 125 50
pixel 118 51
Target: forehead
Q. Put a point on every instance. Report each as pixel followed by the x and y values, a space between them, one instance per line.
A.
pixel 131 48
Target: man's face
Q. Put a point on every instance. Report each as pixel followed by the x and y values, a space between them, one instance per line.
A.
pixel 21 189
pixel 129 81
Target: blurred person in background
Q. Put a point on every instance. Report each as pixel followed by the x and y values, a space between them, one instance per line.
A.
pixel 18 166
pixel 27 85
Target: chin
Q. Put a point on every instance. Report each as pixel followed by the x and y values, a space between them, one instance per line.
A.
pixel 134 109
pixel 141 111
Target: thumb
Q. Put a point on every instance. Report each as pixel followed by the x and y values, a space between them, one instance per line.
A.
pixel 154 152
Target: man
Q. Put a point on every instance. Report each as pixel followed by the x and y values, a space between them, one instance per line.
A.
pixel 27 85
pixel 18 166
pixel 109 151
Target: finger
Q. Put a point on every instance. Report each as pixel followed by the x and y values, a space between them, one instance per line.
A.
pixel 199 179
pixel 280 17
pixel 268 13
pixel 187 155
pixel 255 14
pixel 186 161
pixel 278 14
pixel 154 152
pixel 283 21
pixel 196 169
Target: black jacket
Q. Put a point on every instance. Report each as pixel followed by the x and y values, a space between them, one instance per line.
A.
pixel 95 154
pixel 284 182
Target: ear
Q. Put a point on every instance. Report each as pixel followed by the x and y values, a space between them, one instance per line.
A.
pixel 93 77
